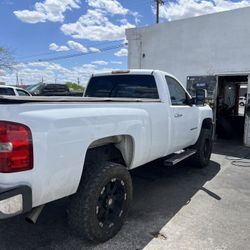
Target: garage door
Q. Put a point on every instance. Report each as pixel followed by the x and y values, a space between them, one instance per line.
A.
pixel 247 120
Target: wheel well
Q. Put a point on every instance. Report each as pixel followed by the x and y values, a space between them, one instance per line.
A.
pixel 118 149
pixel 207 123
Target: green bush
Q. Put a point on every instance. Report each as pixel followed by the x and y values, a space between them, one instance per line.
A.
pixel 74 86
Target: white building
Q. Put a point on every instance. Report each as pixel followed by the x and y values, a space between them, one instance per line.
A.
pixel 211 51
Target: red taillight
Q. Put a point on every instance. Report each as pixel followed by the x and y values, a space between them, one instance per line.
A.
pixel 16 149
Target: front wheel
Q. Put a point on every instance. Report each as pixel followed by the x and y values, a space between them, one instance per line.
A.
pixel 99 208
pixel 204 149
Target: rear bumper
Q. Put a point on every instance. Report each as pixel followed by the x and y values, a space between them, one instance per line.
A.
pixel 15 201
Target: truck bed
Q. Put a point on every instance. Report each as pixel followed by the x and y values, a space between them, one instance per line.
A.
pixel 40 99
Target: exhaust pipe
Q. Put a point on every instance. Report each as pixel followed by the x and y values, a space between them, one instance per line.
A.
pixel 34 214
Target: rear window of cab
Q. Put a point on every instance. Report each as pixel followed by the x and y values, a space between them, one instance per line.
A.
pixel 123 86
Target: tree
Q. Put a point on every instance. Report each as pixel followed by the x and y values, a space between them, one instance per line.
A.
pixel 74 86
pixel 6 59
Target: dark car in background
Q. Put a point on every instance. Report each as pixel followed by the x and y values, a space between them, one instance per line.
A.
pixel 52 89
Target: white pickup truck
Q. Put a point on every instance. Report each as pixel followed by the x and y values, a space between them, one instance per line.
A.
pixel 83 148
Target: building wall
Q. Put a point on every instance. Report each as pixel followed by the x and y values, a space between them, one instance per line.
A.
pixel 207 45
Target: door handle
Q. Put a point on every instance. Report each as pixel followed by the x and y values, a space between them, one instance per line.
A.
pixel 178 115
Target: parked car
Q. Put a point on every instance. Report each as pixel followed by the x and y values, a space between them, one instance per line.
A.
pixel 13 91
pixel 242 101
pixel 84 148
pixel 52 89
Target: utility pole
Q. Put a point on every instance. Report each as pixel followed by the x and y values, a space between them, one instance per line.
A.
pixel 17 79
pixel 158 3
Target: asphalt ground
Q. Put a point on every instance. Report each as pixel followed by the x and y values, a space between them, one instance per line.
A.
pixel 173 208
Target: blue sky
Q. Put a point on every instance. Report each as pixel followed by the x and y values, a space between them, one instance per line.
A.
pixel 38 30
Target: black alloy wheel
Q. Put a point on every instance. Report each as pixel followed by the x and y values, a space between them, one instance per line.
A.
pixel 110 203
pixel 99 208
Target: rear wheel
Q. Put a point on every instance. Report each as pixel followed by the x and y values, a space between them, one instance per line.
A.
pixel 99 208
pixel 204 149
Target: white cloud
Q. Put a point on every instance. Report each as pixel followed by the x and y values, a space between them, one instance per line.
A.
pixel 100 62
pixel 55 47
pixel 137 17
pixel 116 62
pixel 85 69
pixel 19 66
pixel 36 64
pixel 92 49
pixel 122 52
pixel 2 72
pixel 30 16
pixel 63 48
pixel 32 73
pixel 49 10
pixel 88 66
pixel 123 21
pixel 74 46
pixel 111 6
pixel 189 8
pixel 95 26
pixel 77 46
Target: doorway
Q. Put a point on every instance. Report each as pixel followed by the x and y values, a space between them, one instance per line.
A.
pixel 230 107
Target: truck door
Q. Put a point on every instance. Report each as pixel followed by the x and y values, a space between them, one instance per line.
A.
pixel 208 82
pixel 247 117
pixel 184 118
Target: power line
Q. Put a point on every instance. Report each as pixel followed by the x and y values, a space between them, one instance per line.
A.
pixel 39 54
pixel 57 52
pixel 80 54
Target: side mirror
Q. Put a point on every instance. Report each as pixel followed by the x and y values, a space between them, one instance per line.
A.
pixel 201 95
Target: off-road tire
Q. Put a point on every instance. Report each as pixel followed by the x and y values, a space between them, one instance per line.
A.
pixel 84 213
pixel 204 149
